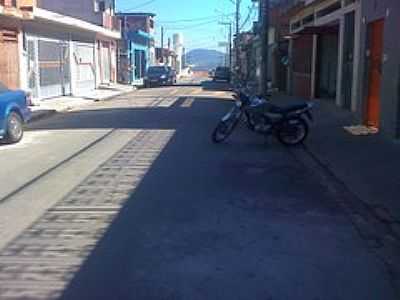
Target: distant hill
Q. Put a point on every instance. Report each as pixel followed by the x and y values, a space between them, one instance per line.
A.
pixel 205 59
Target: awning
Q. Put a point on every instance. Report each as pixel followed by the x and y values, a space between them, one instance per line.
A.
pixel 138 37
pixel 70 22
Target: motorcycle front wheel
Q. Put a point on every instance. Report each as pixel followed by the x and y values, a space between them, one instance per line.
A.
pixel 293 132
pixel 224 129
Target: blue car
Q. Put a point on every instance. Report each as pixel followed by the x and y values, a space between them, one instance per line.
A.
pixel 14 113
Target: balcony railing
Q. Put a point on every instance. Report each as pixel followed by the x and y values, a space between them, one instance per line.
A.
pixel 111 22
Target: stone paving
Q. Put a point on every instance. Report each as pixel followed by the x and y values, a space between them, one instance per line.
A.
pixel 40 263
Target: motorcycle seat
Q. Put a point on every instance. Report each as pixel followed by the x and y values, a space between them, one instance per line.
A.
pixel 289 108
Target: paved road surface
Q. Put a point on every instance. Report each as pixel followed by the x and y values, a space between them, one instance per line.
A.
pixel 129 199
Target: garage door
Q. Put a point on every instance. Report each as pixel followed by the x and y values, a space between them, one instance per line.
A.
pixel 54 71
pixel 84 60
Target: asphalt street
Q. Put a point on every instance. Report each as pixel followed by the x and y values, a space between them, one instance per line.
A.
pixel 130 199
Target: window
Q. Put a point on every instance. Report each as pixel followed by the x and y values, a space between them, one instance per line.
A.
pixel 102 6
pixel 308 19
pixel 96 5
pixel 99 6
pixel 330 9
pixel 295 25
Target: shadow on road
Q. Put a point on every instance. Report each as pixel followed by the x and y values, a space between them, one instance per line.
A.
pixel 177 116
pixel 211 85
pixel 173 216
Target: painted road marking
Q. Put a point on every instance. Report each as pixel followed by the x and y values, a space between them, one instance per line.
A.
pixel 188 102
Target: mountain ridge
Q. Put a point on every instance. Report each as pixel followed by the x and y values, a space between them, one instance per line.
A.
pixel 205 59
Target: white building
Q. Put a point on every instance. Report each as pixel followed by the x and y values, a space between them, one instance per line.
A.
pixel 69 47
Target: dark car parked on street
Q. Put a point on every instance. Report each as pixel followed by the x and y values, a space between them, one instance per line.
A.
pixel 222 74
pixel 160 75
pixel 14 113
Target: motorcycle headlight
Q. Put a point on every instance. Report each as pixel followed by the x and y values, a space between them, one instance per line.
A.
pixel 163 76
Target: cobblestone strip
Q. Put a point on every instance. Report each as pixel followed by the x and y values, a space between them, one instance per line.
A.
pixel 41 262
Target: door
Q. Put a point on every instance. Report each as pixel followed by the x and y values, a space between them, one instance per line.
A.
pixel 105 62
pixel 328 46
pixel 33 68
pixel 143 64
pixel 9 67
pixel 301 65
pixel 140 64
pixel 348 60
pixel 375 37
pixel 65 69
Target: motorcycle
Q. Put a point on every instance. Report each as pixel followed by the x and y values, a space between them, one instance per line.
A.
pixel 289 124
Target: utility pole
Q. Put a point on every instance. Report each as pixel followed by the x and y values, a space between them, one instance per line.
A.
pixel 229 41
pixel 238 16
pixel 230 45
pixel 238 2
pixel 264 18
pixel 162 44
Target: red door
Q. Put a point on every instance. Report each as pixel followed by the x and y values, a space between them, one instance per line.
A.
pixel 374 72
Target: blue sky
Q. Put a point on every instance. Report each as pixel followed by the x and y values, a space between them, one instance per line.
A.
pixel 197 20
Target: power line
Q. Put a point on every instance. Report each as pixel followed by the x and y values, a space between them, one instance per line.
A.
pixel 251 10
pixel 193 26
pixel 196 19
pixel 141 5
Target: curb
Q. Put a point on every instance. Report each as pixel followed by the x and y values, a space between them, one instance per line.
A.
pixel 42 115
pixel 113 96
pixel 51 112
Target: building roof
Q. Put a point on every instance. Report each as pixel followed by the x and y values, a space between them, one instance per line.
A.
pixel 136 14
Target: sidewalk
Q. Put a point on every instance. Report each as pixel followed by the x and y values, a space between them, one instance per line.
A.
pixel 48 107
pixel 368 165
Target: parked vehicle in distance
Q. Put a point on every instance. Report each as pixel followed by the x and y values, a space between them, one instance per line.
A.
pixel 172 74
pixel 160 75
pixel 211 73
pixel 14 113
pixel 222 74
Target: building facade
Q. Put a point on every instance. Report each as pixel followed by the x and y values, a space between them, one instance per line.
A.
pixel 12 15
pixel 325 51
pixel 69 48
pixel 137 47
pixel 166 57
pixel 346 51
pixel 98 12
